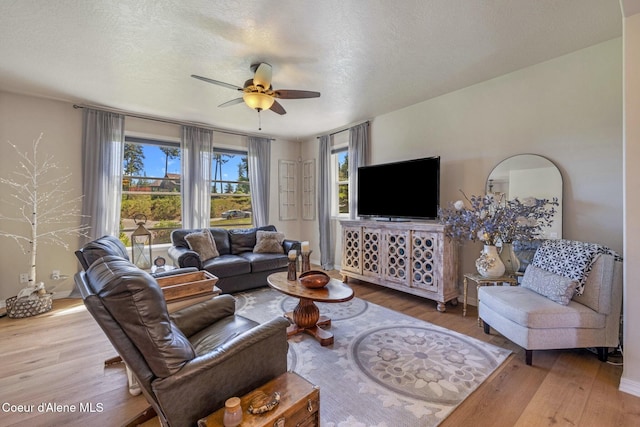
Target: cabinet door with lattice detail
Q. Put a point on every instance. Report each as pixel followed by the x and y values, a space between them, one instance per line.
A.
pixel 351 248
pixel 371 254
pixel 425 260
pixel 396 264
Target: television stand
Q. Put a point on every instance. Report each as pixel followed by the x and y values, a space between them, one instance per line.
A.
pixel 412 257
pixel 381 219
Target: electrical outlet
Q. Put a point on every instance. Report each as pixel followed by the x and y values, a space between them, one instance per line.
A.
pixel 24 277
pixel 55 275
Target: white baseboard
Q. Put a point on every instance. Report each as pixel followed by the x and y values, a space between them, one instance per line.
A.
pixel 629 386
pixel 62 294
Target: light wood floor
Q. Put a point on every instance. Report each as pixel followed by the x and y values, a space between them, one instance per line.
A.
pixel 57 358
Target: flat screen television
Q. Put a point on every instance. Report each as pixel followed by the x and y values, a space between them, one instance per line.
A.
pixel 407 189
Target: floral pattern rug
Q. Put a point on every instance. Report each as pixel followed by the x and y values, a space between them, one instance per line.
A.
pixel 384 369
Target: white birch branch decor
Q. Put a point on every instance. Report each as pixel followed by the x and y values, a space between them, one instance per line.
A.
pixel 42 211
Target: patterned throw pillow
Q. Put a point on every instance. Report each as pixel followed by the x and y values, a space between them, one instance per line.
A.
pixel 202 242
pixel 570 258
pixel 553 286
pixel 269 242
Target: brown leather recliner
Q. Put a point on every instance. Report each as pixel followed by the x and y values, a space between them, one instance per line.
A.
pixel 187 363
pixel 109 245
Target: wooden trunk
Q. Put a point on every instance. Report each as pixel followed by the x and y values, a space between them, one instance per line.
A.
pixel 188 285
pixel 299 405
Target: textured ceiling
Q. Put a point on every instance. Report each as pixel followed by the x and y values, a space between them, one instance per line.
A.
pixel 366 57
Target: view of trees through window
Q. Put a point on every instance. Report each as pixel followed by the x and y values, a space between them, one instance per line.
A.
pixel 230 192
pixel 342 181
pixel 151 186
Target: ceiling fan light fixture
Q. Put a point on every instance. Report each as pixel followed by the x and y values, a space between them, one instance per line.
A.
pixel 258 101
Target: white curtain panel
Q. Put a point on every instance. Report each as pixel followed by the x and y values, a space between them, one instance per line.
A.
pixel 327 251
pixel 197 148
pixel 102 156
pixel 358 152
pixel 259 161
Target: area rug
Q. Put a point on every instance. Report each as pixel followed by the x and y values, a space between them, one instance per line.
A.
pixel 384 369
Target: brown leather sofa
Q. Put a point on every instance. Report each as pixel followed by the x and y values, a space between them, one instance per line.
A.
pixel 187 363
pixel 237 267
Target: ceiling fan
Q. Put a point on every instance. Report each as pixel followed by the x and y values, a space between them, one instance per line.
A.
pixel 258 93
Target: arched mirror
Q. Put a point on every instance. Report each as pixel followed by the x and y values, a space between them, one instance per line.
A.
pixel 529 175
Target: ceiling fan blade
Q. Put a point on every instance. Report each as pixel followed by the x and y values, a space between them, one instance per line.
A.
pixel 262 76
pixel 232 102
pixel 216 82
pixel 277 108
pixel 295 94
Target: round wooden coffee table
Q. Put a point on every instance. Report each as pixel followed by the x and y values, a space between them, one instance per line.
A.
pixel 306 315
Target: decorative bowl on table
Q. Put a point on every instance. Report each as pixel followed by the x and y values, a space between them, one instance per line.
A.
pixel 314 279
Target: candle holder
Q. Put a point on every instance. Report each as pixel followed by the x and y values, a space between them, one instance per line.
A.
pixel 291 269
pixel 306 264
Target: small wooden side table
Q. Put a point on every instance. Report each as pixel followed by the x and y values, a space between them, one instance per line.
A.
pixel 483 281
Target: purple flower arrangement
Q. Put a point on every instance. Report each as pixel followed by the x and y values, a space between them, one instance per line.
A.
pixel 491 219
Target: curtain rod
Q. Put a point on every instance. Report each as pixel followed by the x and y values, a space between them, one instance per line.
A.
pixel 170 121
pixel 342 130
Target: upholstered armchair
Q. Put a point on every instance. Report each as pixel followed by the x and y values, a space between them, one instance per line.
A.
pixel 187 363
pixel 570 297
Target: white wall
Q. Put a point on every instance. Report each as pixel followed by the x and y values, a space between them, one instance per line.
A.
pixel 630 381
pixel 22 119
pixel 568 109
pixel 285 150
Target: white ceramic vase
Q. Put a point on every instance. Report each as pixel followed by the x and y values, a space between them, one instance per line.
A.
pixel 489 264
pixel 509 259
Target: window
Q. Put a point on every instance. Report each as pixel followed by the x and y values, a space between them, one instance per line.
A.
pixel 230 191
pixel 151 187
pixel 340 173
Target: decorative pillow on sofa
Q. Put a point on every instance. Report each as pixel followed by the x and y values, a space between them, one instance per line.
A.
pixel 553 286
pixel 202 242
pixel 269 242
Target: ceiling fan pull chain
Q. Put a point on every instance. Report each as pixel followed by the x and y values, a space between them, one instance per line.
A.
pixel 259 121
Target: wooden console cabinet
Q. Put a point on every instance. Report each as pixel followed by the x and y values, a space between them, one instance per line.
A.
pixel 413 257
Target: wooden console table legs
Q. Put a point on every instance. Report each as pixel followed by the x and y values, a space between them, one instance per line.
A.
pixel 306 318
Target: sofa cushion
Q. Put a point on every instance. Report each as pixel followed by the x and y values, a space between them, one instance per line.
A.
pixel 221 237
pixel 136 302
pixel 243 240
pixel 202 242
pixel 227 266
pixel 553 286
pixel 532 310
pixel 598 287
pixel 269 242
pixel 265 262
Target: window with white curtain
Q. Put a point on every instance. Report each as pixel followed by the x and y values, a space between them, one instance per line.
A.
pixel 340 187
pixel 230 189
pixel 151 187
